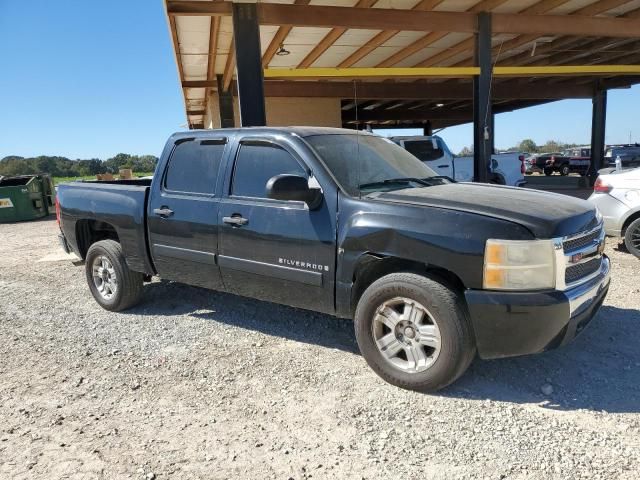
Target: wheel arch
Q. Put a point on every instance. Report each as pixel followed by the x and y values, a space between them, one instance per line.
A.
pixel 629 220
pixel 90 231
pixel 372 266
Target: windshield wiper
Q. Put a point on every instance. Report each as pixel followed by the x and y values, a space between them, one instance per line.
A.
pixel 425 182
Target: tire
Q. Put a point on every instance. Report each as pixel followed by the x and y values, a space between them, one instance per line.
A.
pixel 548 171
pixel 632 238
pixel 114 286
pixel 497 179
pixel 565 170
pixel 444 309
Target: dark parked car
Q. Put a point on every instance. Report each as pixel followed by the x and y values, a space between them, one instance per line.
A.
pixel 573 160
pixel 539 160
pixel 350 224
pixel 629 155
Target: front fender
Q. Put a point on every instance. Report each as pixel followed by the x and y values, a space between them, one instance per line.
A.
pixel 436 237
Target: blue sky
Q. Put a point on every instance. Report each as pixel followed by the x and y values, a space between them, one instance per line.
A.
pixel 82 79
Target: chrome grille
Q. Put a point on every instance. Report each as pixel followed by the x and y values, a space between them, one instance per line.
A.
pixel 580 242
pixel 574 273
pixel 578 257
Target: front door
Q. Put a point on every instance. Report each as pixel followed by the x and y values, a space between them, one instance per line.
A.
pixel 183 211
pixel 275 250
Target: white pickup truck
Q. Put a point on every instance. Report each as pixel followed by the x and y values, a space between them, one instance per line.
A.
pixel 506 168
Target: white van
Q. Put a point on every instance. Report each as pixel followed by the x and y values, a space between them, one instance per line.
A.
pixel 506 168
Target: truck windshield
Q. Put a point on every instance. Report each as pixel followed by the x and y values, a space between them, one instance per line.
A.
pixel 364 164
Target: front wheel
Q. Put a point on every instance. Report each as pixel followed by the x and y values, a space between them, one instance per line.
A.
pixel 414 332
pixel 548 171
pixel 114 286
pixel 565 170
pixel 632 238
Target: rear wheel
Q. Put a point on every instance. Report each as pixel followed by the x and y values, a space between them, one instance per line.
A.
pixel 114 286
pixel 632 238
pixel 564 170
pixel 548 171
pixel 414 332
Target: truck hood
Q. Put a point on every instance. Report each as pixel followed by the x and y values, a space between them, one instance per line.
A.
pixel 546 215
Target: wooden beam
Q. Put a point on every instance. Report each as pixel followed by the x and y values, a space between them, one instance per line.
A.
pixel 177 57
pixel 229 66
pixel 383 36
pixel 559 25
pixel 214 30
pixel 330 38
pixel 368 19
pixel 278 39
pixel 512 89
pixel 410 20
pixel 195 112
pixel 198 9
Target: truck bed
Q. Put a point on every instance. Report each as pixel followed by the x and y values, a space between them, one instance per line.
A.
pixel 121 203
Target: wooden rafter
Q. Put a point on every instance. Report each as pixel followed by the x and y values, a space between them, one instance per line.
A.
pixel 384 36
pixel 590 10
pixel 229 67
pixel 214 33
pixel 330 38
pixel 433 37
pixel 278 39
pixel 467 45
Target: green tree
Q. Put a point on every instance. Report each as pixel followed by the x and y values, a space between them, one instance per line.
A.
pixel 527 146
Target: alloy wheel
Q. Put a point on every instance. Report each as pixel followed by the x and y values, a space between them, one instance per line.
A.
pixel 104 277
pixel 406 335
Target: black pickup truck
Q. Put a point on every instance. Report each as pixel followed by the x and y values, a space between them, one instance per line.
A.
pixel 574 160
pixel 350 224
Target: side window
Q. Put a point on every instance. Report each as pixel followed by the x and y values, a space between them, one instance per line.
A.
pixel 193 166
pixel 256 164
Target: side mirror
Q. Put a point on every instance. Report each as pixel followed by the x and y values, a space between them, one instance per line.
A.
pixel 294 187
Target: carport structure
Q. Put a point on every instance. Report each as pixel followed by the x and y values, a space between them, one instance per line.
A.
pixel 400 63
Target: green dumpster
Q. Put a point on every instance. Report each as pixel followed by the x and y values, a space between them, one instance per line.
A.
pixel 26 197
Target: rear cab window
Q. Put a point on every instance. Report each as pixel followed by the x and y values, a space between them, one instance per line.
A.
pixel 256 163
pixel 194 166
pixel 425 150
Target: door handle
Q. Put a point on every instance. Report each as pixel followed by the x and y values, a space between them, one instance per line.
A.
pixel 163 212
pixel 443 166
pixel 235 220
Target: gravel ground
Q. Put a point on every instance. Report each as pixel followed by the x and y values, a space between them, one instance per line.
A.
pixel 198 384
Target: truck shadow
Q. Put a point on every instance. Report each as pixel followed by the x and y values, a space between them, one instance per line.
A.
pixel 169 298
pixel 599 371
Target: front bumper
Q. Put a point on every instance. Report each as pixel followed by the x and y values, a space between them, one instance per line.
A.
pixel 508 324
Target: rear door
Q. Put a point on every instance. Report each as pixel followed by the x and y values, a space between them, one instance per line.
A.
pixel 275 250
pixel 183 213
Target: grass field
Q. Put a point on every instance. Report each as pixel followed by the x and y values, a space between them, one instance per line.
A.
pixel 57 180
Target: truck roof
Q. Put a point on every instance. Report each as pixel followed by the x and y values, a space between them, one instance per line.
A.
pixel 300 131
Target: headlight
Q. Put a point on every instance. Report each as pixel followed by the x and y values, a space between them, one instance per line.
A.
pixel 519 265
